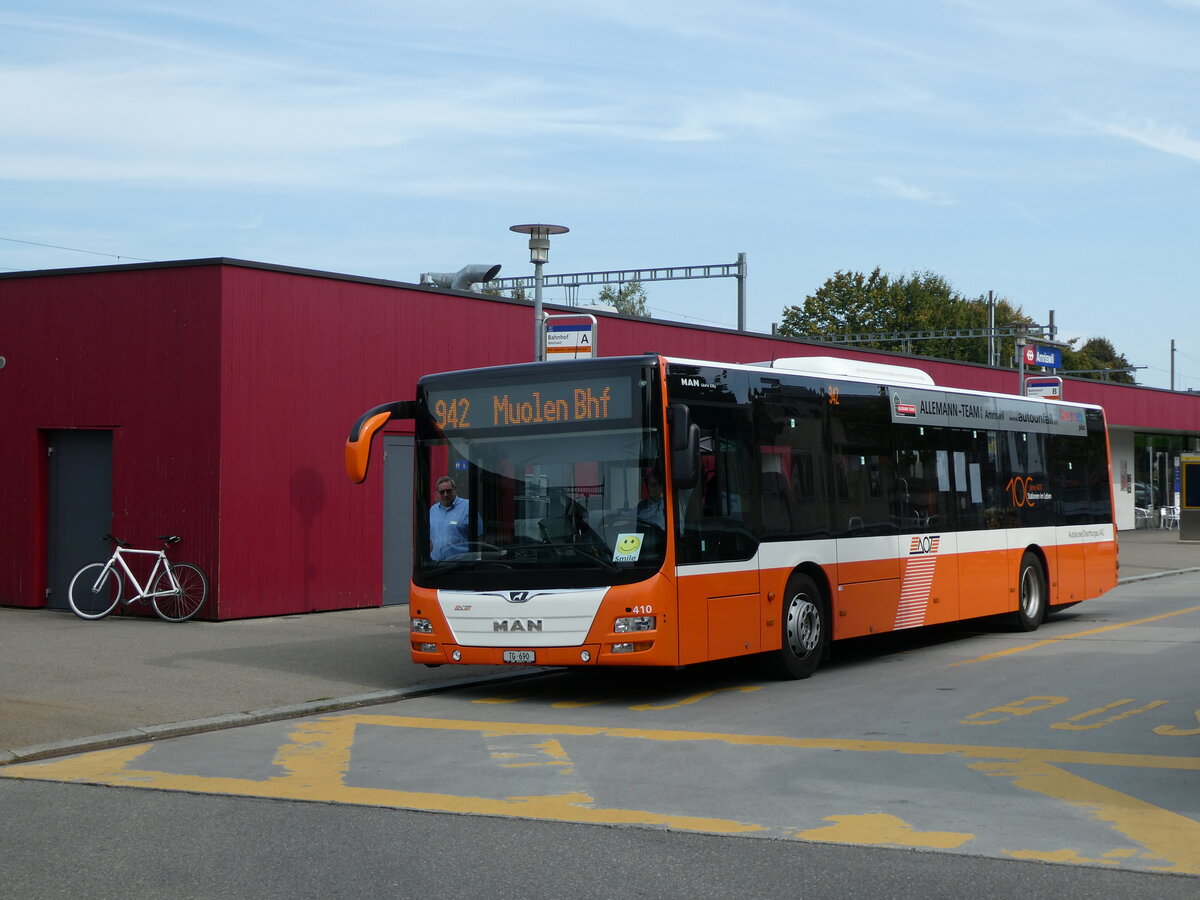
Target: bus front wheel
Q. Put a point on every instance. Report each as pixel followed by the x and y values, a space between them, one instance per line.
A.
pixel 805 627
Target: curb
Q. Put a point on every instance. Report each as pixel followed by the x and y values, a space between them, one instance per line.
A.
pixel 1133 578
pixel 253 717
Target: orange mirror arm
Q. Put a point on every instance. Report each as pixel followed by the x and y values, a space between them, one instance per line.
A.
pixel 358 445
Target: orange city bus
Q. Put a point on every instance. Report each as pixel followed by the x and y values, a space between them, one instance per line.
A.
pixel 806 501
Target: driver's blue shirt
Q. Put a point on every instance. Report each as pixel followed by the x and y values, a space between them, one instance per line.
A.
pixel 448 529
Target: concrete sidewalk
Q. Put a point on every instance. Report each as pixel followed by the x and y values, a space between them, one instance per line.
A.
pixel 70 685
pixel 1151 552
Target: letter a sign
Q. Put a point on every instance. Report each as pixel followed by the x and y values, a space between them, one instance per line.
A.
pixel 570 341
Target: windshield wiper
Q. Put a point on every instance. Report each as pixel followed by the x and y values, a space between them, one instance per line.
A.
pixel 449 565
pixel 514 553
pixel 580 550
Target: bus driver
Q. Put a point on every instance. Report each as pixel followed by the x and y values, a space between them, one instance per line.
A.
pixel 448 522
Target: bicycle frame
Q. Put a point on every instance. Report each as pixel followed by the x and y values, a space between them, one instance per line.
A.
pixel 160 564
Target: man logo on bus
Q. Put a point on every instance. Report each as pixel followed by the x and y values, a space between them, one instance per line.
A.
pixel 924 544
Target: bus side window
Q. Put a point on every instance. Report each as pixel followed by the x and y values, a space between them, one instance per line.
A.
pixel 927 472
pixel 864 477
pixel 977 497
pixel 1027 478
pixel 718 510
pixel 791 432
pixel 1100 490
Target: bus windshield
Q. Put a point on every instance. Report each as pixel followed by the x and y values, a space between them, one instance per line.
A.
pixel 513 495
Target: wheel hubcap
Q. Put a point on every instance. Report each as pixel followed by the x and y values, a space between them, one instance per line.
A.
pixel 1031 593
pixel 803 627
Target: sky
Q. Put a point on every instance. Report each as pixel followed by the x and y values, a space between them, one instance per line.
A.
pixel 1045 150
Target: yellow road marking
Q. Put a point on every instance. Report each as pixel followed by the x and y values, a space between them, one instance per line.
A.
pixel 314 765
pixel 1178 732
pixel 1072 724
pixel 880 830
pixel 695 698
pixel 1073 857
pixel 1066 637
pixel 549 753
pixel 1023 707
pixel 1172 837
pixel 641 707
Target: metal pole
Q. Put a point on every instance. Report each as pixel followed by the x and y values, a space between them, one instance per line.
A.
pixel 993 356
pixel 741 292
pixel 1021 366
pixel 1172 363
pixel 539 327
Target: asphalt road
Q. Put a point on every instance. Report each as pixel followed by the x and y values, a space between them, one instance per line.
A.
pixel 1063 763
pixel 81 841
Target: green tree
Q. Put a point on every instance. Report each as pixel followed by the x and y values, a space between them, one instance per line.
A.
pixel 854 303
pixel 626 298
pixel 1094 358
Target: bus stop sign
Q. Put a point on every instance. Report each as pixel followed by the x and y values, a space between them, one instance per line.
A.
pixel 570 341
pixel 1046 387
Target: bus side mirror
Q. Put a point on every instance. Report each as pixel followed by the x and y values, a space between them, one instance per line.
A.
pixel 685 447
pixel 358 445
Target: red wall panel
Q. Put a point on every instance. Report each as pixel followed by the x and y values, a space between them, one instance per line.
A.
pixel 129 350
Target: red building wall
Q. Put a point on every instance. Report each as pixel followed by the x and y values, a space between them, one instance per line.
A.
pixel 230 388
pixel 134 352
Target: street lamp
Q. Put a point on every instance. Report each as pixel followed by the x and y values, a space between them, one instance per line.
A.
pixel 539 253
pixel 1022 329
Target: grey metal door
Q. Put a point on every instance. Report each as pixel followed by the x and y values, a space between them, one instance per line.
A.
pixel 397 517
pixel 80 507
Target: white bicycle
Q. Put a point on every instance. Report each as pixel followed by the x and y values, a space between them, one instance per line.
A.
pixel 176 590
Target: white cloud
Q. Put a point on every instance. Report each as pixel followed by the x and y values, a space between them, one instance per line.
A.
pixel 1170 139
pixel 905 191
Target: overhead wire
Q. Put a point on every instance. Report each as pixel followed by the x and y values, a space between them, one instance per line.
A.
pixel 72 249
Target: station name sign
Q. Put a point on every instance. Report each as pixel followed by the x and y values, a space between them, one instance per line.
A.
pixel 548 403
pixel 1046 357
pixel 915 406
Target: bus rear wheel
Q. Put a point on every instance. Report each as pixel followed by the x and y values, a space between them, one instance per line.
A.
pixel 805 627
pixel 1031 594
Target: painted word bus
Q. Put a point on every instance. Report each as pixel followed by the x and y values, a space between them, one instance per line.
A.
pixel 660 512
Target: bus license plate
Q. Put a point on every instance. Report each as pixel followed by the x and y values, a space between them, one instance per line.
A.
pixel 519 656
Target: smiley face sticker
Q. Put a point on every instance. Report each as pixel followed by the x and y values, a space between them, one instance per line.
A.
pixel 628 547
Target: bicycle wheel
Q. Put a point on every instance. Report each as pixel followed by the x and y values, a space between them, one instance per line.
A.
pixel 193 591
pixel 89 600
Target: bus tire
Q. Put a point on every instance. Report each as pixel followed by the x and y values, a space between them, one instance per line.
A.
pixel 804 622
pixel 1031 594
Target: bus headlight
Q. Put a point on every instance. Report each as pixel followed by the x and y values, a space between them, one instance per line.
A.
pixel 426 648
pixel 422 626
pixel 635 623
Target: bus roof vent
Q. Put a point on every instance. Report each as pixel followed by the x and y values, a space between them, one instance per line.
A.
pixel 853 368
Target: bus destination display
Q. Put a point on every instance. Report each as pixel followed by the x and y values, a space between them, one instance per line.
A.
pixel 532 403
